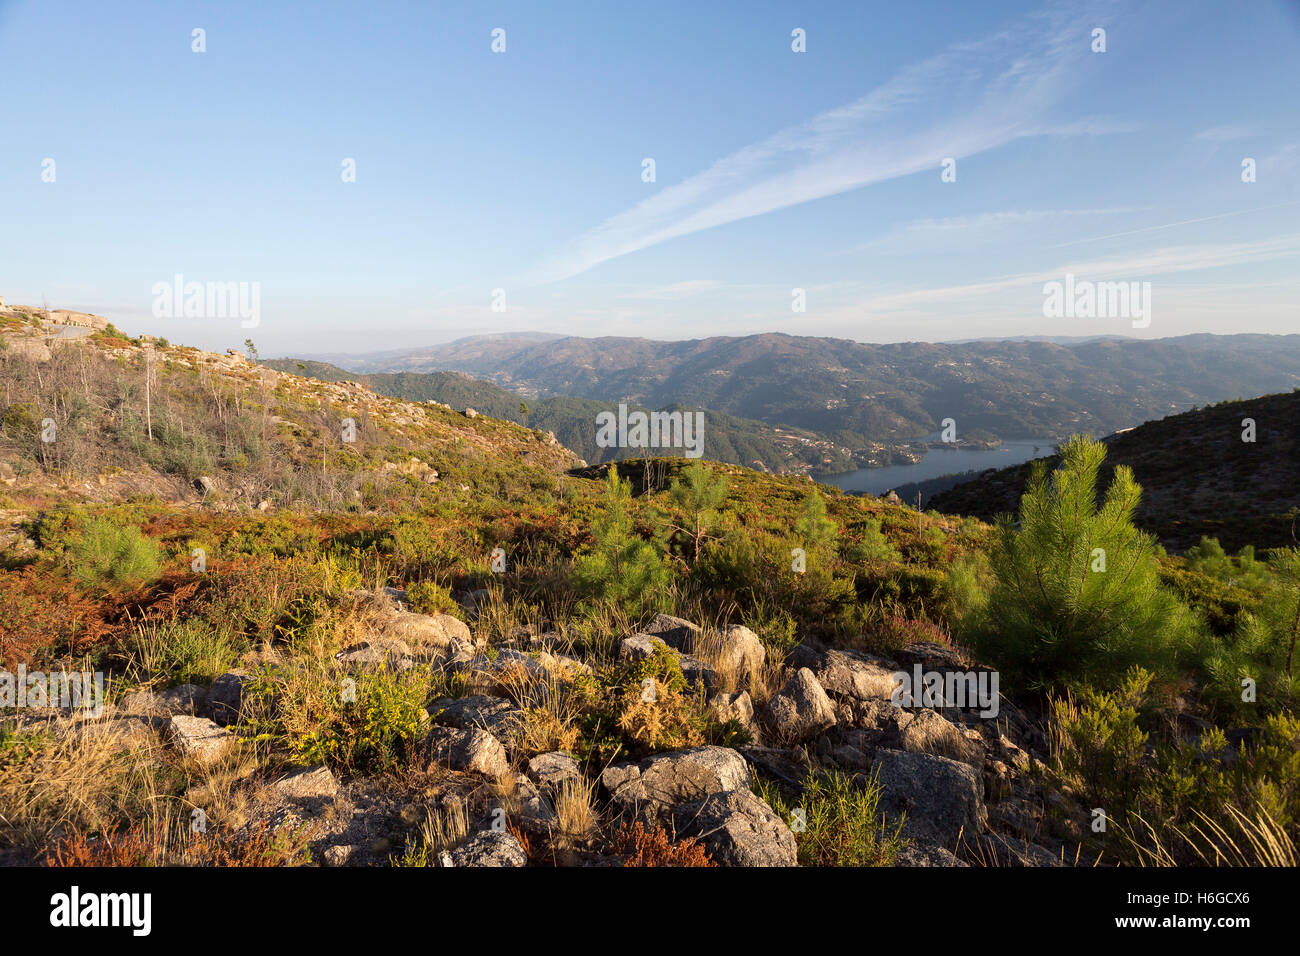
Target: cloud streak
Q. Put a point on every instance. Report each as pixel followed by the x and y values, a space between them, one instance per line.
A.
pixel 969 99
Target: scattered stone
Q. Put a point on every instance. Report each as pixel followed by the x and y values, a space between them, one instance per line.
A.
pixel 536 664
pixel 738 828
pixel 338 855
pixel 697 672
pixel 185 699
pixel 313 783
pixel 498 716
pixel 490 848
pixel 226 697
pixel 530 808
pixel 800 710
pixel 938 799
pixel 471 750
pixel 438 631
pixel 199 739
pixel 737 707
pixel 847 673
pixel 648 789
pixel 550 770
pixel 377 654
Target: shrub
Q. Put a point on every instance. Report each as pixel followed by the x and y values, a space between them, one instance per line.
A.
pixel 369 725
pixel 874 548
pixel 1261 649
pixel 108 555
pixel 814 529
pixel 619 566
pixel 640 847
pixel 841 821
pixel 1174 803
pixel 429 597
pixel 698 496
pixel 1077 595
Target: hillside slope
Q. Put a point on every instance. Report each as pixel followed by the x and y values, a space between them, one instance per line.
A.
pixel 1197 475
pixel 728 438
pixel 136 416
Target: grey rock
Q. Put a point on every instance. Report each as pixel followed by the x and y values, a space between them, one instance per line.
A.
pixel 741 652
pixel 550 770
pixel 998 849
pixel 314 783
pixel 638 647
pixel 737 707
pixel 653 786
pixel 338 855
pixel 185 699
pixel 847 673
pixel 526 804
pixel 377 654
pixel 225 697
pixel 199 739
pixel 928 732
pixel 470 750
pixel 676 632
pixel 919 854
pixel 490 848
pixel 737 828
pixel 938 799
pixel 498 716
pixel 800 710
pixel 641 646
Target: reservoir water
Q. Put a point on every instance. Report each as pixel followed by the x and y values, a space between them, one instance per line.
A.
pixel 939 462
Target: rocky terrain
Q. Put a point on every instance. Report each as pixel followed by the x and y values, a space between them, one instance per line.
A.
pixel 954 789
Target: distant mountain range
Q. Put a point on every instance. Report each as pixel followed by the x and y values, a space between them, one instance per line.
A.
pixel 865 403
pixel 1198 476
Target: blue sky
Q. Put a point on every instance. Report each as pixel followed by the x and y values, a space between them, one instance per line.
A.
pixel 775 170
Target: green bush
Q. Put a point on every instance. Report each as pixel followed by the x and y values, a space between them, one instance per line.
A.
pixel 430 597
pixel 1173 802
pixel 839 821
pixel 619 566
pixel 106 555
pixel 874 548
pixel 1077 598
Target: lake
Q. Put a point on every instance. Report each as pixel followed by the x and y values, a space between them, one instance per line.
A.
pixel 940 462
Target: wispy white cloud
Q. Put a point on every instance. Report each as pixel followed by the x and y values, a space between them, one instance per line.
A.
pixel 1157 262
pixel 971 98
pixel 676 290
pixel 917 233
pixel 1224 134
